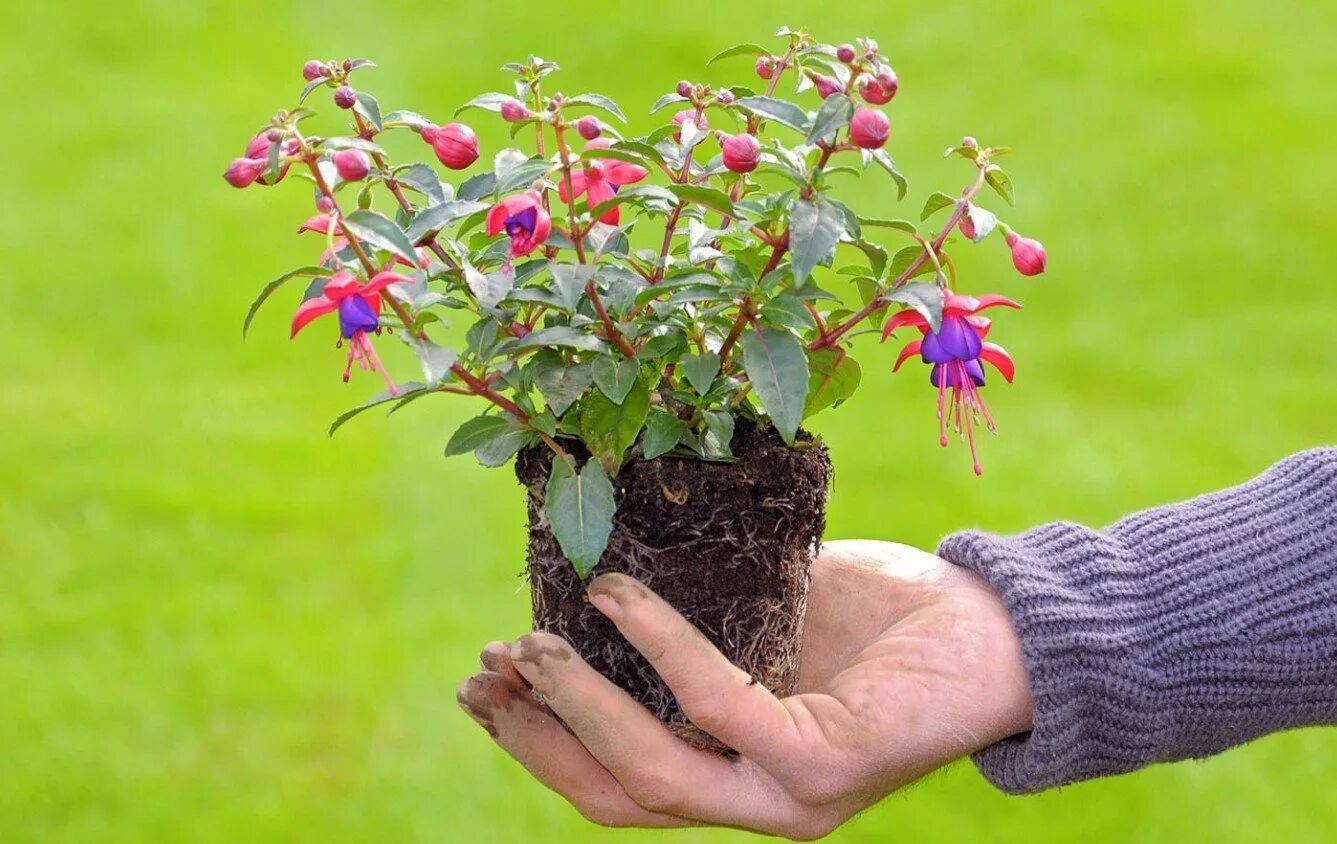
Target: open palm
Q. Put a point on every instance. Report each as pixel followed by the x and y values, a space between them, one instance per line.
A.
pixel 908 663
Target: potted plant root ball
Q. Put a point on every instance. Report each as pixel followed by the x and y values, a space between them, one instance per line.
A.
pixel 647 322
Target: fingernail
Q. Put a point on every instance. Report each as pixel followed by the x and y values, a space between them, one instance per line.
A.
pixel 494 655
pixel 535 648
pixel 610 592
pixel 472 702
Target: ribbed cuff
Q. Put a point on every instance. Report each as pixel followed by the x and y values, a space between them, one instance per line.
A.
pixel 1176 633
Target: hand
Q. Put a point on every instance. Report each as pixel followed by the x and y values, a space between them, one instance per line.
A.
pixel 908 663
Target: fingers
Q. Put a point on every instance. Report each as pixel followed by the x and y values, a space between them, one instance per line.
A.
pixel 714 694
pixel 502 704
pixel 658 771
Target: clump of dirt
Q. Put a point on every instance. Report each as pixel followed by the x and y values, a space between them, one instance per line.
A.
pixel 727 544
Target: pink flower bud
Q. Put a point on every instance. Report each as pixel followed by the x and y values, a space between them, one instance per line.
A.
pixel 686 114
pixel 589 128
pixel 765 66
pixel 242 171
pixel 519 329
pixel 741 152
pixel 313 70
pixel 455 144
pixel 886 77
pixel 684 88
pixel 725 97
pixel 324 204
pixel 826 85
pixel 1028 256
pixel 967 226
pixel 353 164
pixel 345 97
pixel 845 52
pixel 969 142
pixel 513 111
pixel 258 148
pixel 869 128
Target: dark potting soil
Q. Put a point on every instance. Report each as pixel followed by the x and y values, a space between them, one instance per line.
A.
pixel 727 544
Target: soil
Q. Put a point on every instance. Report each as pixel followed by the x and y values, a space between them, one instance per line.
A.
pixel 727 544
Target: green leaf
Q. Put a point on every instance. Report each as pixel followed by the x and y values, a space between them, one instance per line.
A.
pixel 311 271
pixel 833 116
pixel 437 217
pixel 351 143
pixel 599 101
pixel 561 384
pixel 403 391
pixel 490 101
pixel 609 429
pixel 569 282
pixel 739 50
pixel 906 258
pixel 715 200
pixel 777 366
pixel 700 370
pixel 410 118
pixel 885 161
pixel 370 110
pixel 815 227
pixel 1000 182
pixel 489 289
pixel 666 101
pixel 580 511
pixel 424 180
pixel 900 225
pixel 663 432
pixel 834 377
pixel 935 203
pixel 500 449
pixel 563 335
pixel 923 296
pixel 382 233
pixel 436 360
pixel 521 174
pixel 716 435
pixel 769 108
pixel 476 432
pixel 477 186
pixel 615 377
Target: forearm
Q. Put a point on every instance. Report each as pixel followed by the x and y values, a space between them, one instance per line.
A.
pixel 1175 633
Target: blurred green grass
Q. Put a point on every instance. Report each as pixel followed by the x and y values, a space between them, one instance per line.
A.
pixel 216 623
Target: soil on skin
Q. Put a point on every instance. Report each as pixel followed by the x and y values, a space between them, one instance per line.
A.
pixel 727 544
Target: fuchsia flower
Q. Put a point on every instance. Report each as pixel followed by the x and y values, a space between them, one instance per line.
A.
pixel 702 122
pixel 765 66
pixel 880 89
pixel 524 219
pixel 455 144
pixel 359 308
pixel 1028 255
pixel 345 96
pixel 314 69
pixel 320 224
pixel 869 128
pixel 513 111
pixel 257 151
pixel 741 152
pixel 845 53
pixel 826 85
pixel 955 351
pixel 600 180
pixel 353 165
pixel 242 171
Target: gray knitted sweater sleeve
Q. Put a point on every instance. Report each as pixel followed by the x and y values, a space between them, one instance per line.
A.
pixel 1174 634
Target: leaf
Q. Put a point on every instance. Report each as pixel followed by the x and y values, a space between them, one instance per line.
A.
pixel 403 391
pixel 983 221
pixel 521 175
pixel 815 227
pixel 777 366
pixel 312 271
pixel 410 118
pixel 923 296
pixel 490 288
pixel 477 186
pixel 615 377
pixel 424 180
pixel 715 200
pixel 498 450
pixel 833 116
pixel 491 101
pixel 936 203
pixel 569 282
pixel 1000 182
pixel 437 217
pixel 769 108
pixel 900 225
pixel 561 384
pixel 906 258
pixel 476 432
pixel 599 101
pixel 311 86
pixel 700 370
pixel 739 50
pixel 370 110
pixel 563 335
pixel 716 435
pixel 382 233
pixel 666 101
pixel 834 377
pixel 663 432
pixel 436 360
pixel 351 143
pixel 609 429
pixel 885 161
pixel 580 511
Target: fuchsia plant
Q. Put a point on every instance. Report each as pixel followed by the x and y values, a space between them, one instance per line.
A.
pixel 638 316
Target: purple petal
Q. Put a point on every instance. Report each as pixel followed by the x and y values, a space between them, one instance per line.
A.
pixel 525 220
pixel 958 339
pixel 356 315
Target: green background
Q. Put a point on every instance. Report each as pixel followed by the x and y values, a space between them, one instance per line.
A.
pixel 217 624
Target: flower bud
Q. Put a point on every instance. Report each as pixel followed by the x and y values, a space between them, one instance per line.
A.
pixel 589 127
pixel 845 52
pixel 873 93
pixel 725 97
pixel 869 128
pixel 324 204
pixel 967 226
pixel 684 88
pixel 826 85
pixel 742 152
pixel 765 66
pixel 455 144
pixel 886 77
pixel 1028 256
pixel 313 70
pixel 513 111
pixel 353 164
pixel 969 142
pixel 242 171
pixel 345 97
pixel 519 330
pixel 686 114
